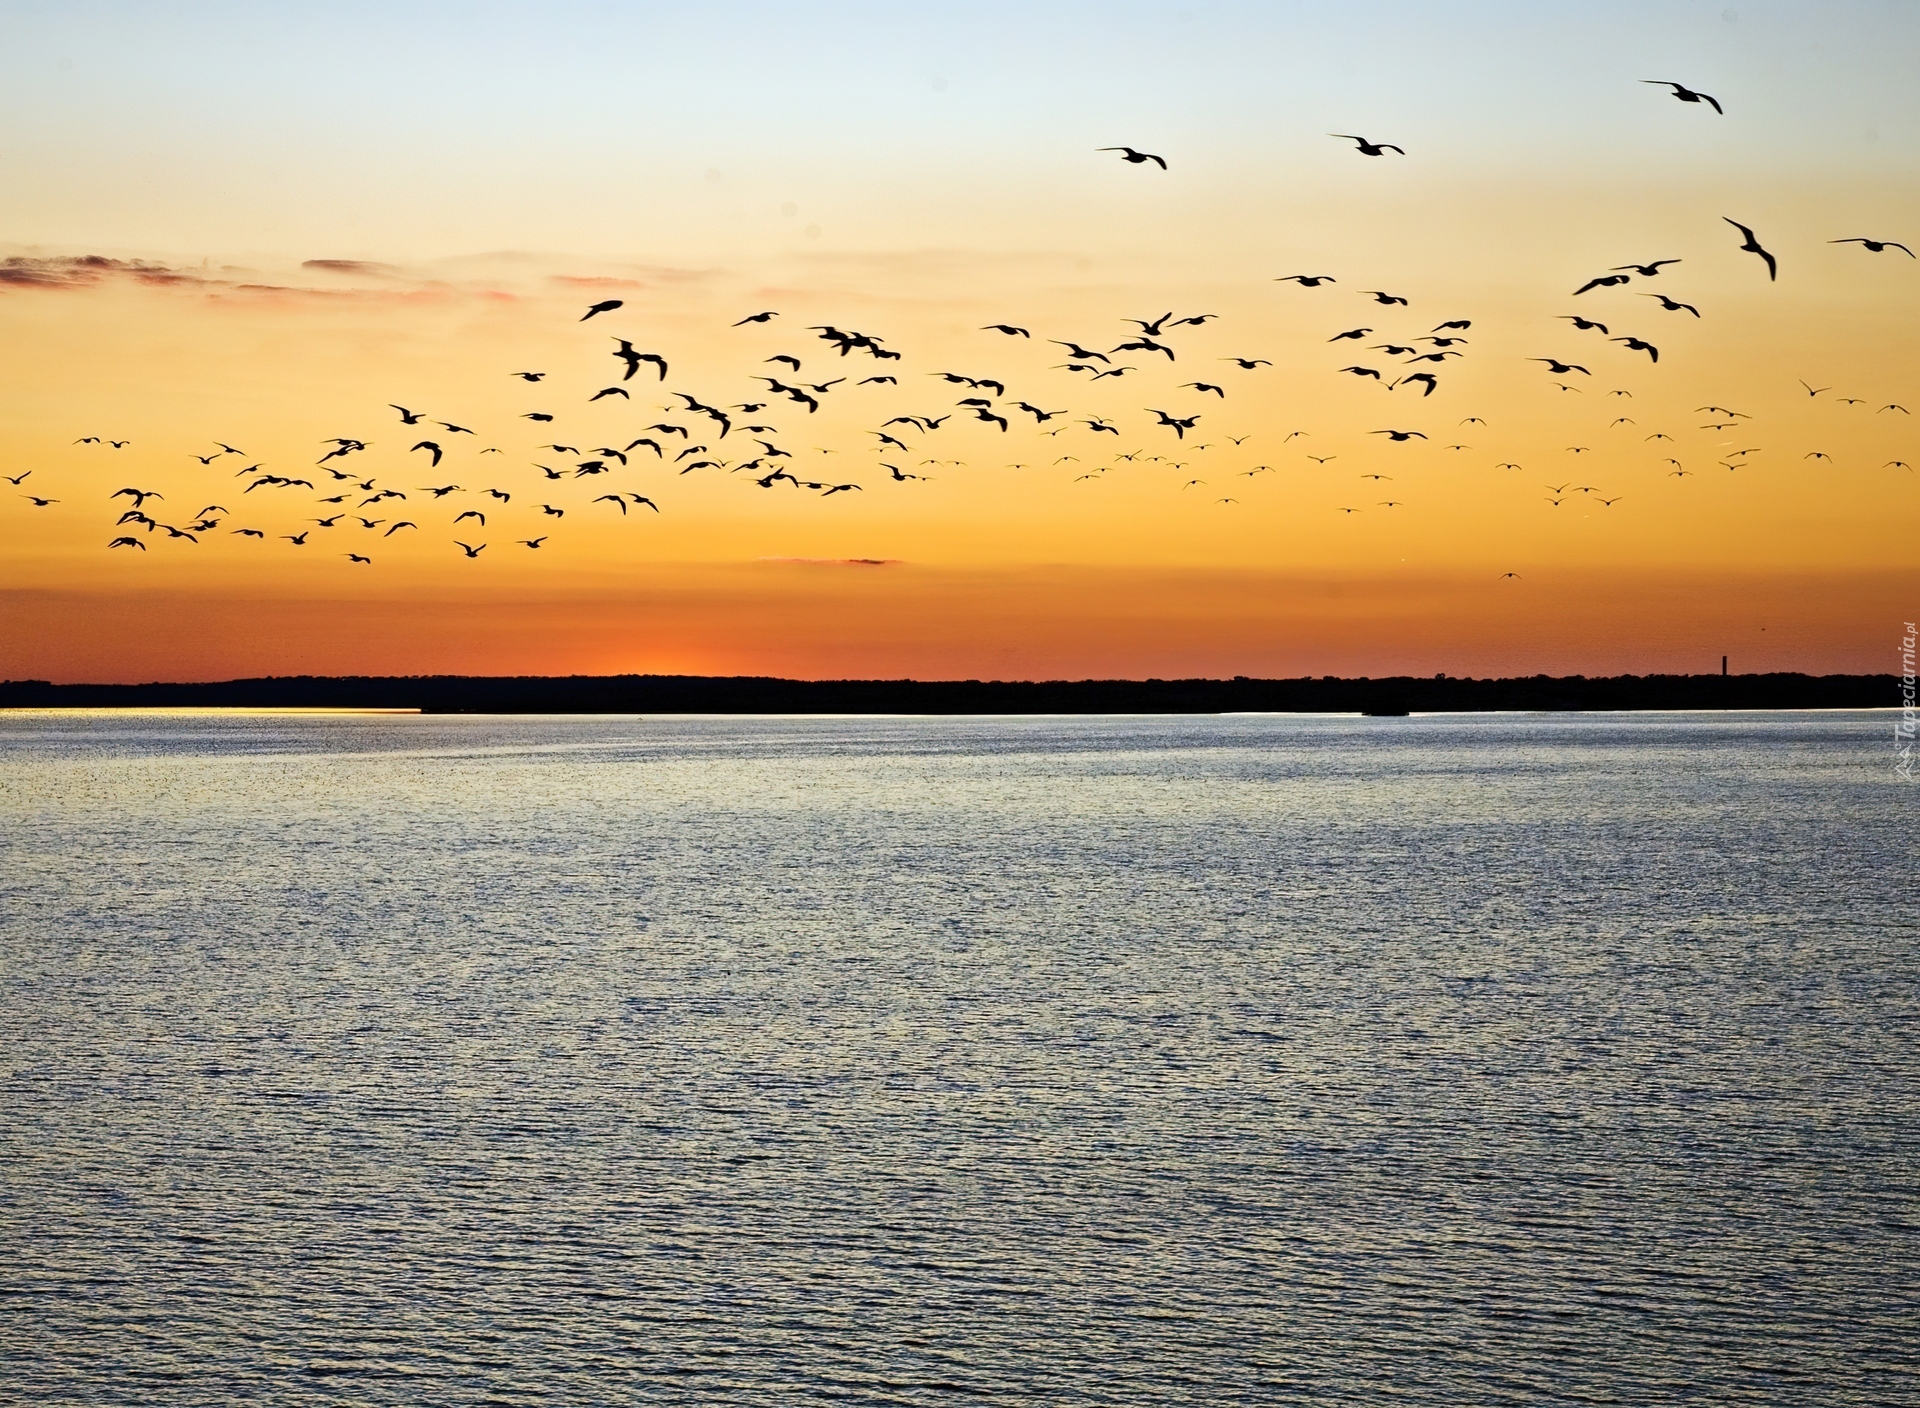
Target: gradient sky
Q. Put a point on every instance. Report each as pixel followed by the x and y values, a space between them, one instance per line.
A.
pixel 477 174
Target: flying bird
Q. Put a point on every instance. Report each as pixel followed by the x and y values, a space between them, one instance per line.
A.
pixel 1685 94
pixel 1133 157
pixel 755 318
pixel 1634 344
pixel 1365 147
pixel 429 445
pixel 1307 280
pixel 604 307
pixel 1876 246
pixel 1752 246
pixel 1604 281
pixel 1673 305
pixel 633 359
pixel 1008 328
pixel 467 548
pixel 1379 297
pixel 1647 271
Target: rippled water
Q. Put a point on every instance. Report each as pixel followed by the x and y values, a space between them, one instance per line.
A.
pixel 1508 1060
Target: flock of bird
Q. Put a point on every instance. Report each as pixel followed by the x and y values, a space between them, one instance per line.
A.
pixel 749 434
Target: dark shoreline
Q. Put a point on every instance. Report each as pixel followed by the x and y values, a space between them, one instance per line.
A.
pixel 694 694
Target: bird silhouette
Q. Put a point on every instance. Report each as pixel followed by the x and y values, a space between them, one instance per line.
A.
pixel 1684 93
pixel 603 307
pixel 1365 147
pixel 626 353
pixel 1647 271
pixel 1604 281
pixel 1307 280
pixel 1752 246
pixel 1876 246
pixel 756 318
pixel 1673 305
pixel 469 549
pixel 1133 157
pixel 1634 344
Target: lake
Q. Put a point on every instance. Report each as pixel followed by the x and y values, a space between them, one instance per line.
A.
pixel 1468 1060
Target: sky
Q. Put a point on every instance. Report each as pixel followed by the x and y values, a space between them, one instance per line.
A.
pixel 267 226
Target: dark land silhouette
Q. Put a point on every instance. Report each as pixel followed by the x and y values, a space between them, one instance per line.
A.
pixel 746 694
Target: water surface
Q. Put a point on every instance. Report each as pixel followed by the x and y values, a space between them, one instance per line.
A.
pixel 1453 1060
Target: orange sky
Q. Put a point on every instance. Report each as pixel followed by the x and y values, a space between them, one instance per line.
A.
pixel 1017 553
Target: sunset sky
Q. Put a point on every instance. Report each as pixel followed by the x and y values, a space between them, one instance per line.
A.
pixel 261 225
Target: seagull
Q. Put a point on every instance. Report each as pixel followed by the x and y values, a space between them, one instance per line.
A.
pixel 468 549
pixel 1559 368
pixel 633 359
pixel 1586 324
pixel 1752 246
pixel 607 307
pixel 1133 157
pixel 1398 436
pixel 1604 281
pixel 1307 280
pixel 127 543
pixel 356 557
pixel 1876 246
pixel 1008 328
pixel 754 318
pixel 527 376
pixel 1634 344
pixel 1385 298
pixel 1367 148
pixel 1673 305
pixel 1685 94
pixel 429 445
pixel 1646 271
